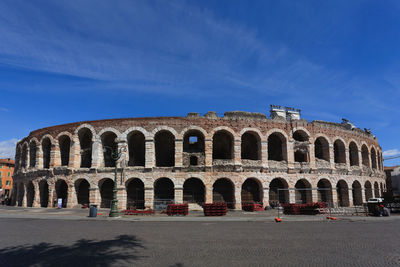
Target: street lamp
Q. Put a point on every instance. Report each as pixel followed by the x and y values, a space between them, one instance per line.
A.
pixel 115 155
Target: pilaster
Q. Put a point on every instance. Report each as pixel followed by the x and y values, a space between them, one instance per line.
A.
pixel 178 152
pixel 237 154
pixel 179 195
pixel 148 197
pixel 150 155
pixel 208 152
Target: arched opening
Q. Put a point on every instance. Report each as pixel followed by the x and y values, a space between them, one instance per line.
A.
pixel 24 155
pixel 365 156
pixel 223 191
pixel 135 194
pixel 251 191
pixel 276 147
pixel 251 146
pixel 136 147
pixel 301 155
pixel 165 149
pixel 21 193
pixel 65 143
pixel 62 192
pixel 373 158
pixel 222 145
pixel 353 154
pixel 342 190
pixel 368 190
pixel 376 189
pixel 193 148
pixel 109 146
pixel 324 191
pixel 82 187
pixel 32 154
pixel 106 192
pixel 44 194
pixel 46 149
pixel 339 151
pixel 18 158
pixel 30 194
pixel 303 192
pixel 300 136
pixel 85 141
pixel 357 193
pixel 164 191
pixel 276 195
pixel 321 147
pixel 193 191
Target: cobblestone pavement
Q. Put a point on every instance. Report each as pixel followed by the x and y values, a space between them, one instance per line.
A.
pixel 34 242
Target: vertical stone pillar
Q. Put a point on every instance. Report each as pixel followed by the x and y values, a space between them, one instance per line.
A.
pixel 54 158
pixel 97 154
pixel 72 198
pixel 36 198
pixel 179 195
pixel 208 193
pixel 290 154
pixel 238 197
pixel 312 157
pixel 208 152
pixel 360 159
pixel 332 156
pixel 121 196
pixel 266 196
pixel 292 195
pixel 178 153
pixel 24 192
pixel 75 153
pixel 334 196
pixel 314 195
pixel 150 153
pixel 28 156
pixel 350 193
pixel 52 195
pixel 39 157
pixel 347 152
pixel 94 196
pixel 149 197
pixel 237 152
pixel 122 146
pixel 264 154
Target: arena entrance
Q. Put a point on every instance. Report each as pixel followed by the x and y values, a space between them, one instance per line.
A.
pixel 324 191
pixel 106 192
pixel 303 192
pixel 342 194
pixel 135 194
pixel 193 191
pixel 30 194
pixel 282 196
pixel 223 191
pixel 368 190
pixel 44 194
pixel 82 191
pixel 251 191
pixel 357 194
pixel 163 193
pixel 62 192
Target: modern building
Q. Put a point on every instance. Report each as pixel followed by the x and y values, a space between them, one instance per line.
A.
pixel 6 180
pixel 240 157
pixel 392 181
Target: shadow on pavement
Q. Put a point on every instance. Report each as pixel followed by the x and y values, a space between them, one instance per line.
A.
pixel 119 251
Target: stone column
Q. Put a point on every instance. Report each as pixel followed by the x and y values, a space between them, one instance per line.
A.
pixel 350 193
pixel 264 154
pixel 28 156
pixel 360 159
pixel 266 196
pixel 149 197
pixel 347 153
pixel 75 153
pixel 334 195
pixel 39 157
pixel 121 196
pixel 52 195
pixel 332 156
pixel 208 193
pixel 36 199
pixel 238 197
pixel 178 195
pixel 363 194
pixel 54 155
pixel 208 152
pixel 97 154
pixel 292 195
pixel 150 155
pixel 290 155
pixel 314 195
pixel 94 196
pixel 237 152
pixel 72 199
pixel 178 153
pixel 24 202
pixel 312 157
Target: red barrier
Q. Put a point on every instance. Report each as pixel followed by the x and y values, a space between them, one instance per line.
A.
pixel 303 209
pixel 215 209
pixel 252 207
pixel 177 209
pixel 138 212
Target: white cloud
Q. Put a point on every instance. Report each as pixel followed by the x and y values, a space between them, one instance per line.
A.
pixel 391 152
pixel 7 148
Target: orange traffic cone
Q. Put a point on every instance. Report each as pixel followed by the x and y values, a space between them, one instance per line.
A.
pixel 277 219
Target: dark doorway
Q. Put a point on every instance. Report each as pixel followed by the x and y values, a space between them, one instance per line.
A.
pixel 135 194
pixel 278 183
pixel 222 145
pixel 165 149
pixel 106 192
pixel 193 191
pixel 82 187
pixel 223 191
pixel 44 194
pixel 251 191
pixel 136 146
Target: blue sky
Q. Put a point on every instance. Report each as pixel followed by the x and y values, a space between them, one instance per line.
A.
pixel 67 61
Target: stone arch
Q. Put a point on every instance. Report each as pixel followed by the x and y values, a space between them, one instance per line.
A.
pixel 106 186
pixel 61 187
pixel 373 158
pixel 109 129
pixel 252 191
pixel 223 145
pixel 85 136
pixel 30 194
pixel 164 191
pixel 368 190
pixel 339 150
pixel 357 193
pixel 301 135
pixel 194 191
pixel 165 128
pixel 64 143
pixel 135 193
pixel 109 145
pixel 365 155
pixel 353 154
pixel 44 193
pixel 222 128
pixel 82 189
pixel 136 148
pixel 194 128
pixel 224 191
pixel 193 147
pixel 342 193
pixel 321 148
pixel 85 126
pixel 376 189
pixel 277 149
pixel 324 189
pixel 164 142
pixel 278 196
pixel 303 193
pixel 47 143
pixel 33 146
pixel 251 146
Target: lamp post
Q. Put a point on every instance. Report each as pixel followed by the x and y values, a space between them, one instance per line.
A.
pixel 115 155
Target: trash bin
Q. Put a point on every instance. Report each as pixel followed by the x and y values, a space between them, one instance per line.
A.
pixel 93 211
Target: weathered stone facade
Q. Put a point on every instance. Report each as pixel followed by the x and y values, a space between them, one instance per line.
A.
pixel 237 158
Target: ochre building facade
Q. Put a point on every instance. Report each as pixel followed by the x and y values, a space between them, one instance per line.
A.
pixel 240 157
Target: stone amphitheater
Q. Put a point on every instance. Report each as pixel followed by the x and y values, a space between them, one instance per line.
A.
pixel 237 158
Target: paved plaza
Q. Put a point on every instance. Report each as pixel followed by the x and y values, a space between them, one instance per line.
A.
pixel 100 242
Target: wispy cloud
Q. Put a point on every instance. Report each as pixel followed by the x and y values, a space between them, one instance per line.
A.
pixel 7 148
pixel 4 109
pixel 391 153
